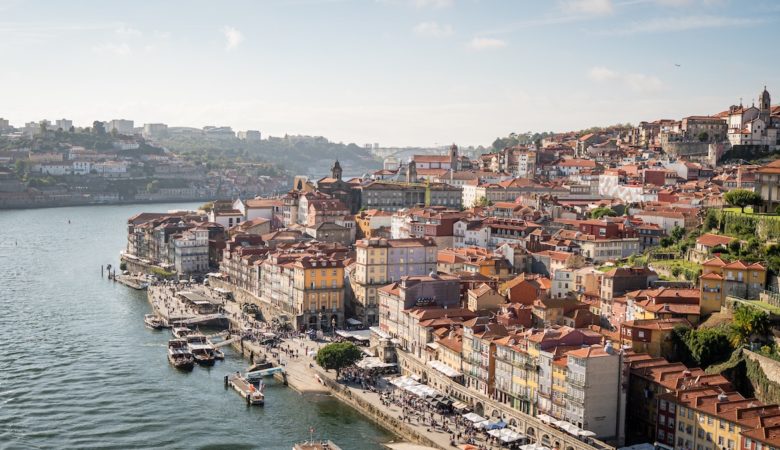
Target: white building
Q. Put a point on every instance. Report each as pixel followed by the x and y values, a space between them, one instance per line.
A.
pixel 122 126
pixel 592 384
pixel 82 167
pixel 469 233
pixel 63 124
pixel 110 169
pixel 154 130
pixel 191 251
pixel 754 125
pixel 250 135
pixel 56 169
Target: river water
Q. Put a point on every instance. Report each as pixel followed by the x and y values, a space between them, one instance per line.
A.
pixel 80 370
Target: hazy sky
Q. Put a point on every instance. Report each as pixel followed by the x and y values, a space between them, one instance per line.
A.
pixel 397 72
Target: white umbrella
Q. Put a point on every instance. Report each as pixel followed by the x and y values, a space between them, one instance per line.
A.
pixel 586 433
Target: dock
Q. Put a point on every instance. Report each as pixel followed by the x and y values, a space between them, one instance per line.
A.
pixel 245 389
pixel 136 283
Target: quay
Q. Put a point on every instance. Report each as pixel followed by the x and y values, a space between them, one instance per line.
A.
pixel 301 372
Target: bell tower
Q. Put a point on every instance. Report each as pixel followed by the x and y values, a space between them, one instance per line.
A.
pixel 336 170
pixel 764 106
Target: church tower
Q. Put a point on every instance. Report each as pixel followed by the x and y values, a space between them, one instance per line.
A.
pixel 454 160
pixel 411 172
pixel 336 171
pixel 764 106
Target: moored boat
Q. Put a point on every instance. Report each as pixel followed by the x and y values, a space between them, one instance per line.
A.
pixel 202 350
pixel 316 445
pixel 179 354
pixel 153 321
pixel 180 331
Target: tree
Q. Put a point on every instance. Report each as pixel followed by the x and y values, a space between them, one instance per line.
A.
pixel 72 129
pixel 338 356
pixel 705 346
pixel 483 201
pixel 748 323
pixel 711 219
pixel 743 198
pixel 734 247
pixel 677 233
pixel 98 128
pixel 598 213
pixel 704 137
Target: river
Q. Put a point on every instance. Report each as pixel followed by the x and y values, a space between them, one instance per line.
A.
pixel 80 370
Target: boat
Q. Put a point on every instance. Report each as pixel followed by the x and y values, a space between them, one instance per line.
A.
pixel 202 350
pixel 316 445
pixel 252 395
pixel 179 354
pixel 153 321
pixel 180 331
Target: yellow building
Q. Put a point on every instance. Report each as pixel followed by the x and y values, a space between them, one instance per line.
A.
pixel 721 279
pixel 318 291
pixel 708 418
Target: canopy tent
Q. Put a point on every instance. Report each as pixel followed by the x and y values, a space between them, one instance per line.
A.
pixel 586 433
pixel 568 427
pixel 506 435
pixel 475 418
pixel 545 418
pixel 358 335
pixel 445 369
pixel 373 362
pixel 495 425
pixel 533 447
pixel 352 321
pixel 403 382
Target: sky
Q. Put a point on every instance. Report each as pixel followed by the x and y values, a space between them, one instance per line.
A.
pixel 394 72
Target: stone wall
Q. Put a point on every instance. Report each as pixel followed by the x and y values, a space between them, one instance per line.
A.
pixel 764 375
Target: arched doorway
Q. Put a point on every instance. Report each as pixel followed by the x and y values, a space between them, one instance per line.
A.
pixel 496 413
pixel 479 408
pixel 512 423
pixel 545 439
pixel 531 433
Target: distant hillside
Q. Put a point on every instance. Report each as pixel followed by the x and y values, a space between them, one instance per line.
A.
pixel 304 155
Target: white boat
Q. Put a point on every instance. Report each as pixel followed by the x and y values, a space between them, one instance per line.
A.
pixel 180 331
pixel 153 321
pixel 316 445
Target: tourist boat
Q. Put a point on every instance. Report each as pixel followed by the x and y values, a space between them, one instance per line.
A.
pixel 202 350
pixel 153 321
pixel 316 445
pixel 179 354
pixel 180 331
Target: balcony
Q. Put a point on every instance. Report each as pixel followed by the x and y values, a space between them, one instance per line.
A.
pixel 575 399
pixel 558 400
pixel 576 381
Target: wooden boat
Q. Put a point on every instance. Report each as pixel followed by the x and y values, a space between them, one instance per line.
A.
pixel 179 354
pixel 153 321
pixel 202 350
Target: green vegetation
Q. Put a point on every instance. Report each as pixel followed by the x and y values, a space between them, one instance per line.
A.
pixel 337 356
pixel 742 198
pixel 703 347
pixel 598 213
pixel 162 273
pixel 299 154
pixel 679 267
pixel 748 324
pixel 483 202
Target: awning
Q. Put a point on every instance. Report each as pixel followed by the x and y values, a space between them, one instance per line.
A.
pixel 545 418
pixel 373 363
pixel 460 406
pixel 352 321
pixel 445 369
pixel 533 447
pixel 506 435
pixel 475 418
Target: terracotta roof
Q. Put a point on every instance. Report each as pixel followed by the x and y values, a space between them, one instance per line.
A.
pixel 712 240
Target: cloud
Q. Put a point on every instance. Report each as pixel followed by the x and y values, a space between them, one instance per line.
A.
pixel 601 73
pixel 589 7
pixel 672 24
pixel 124 30
pixel 433 29
pixel 432 3
pixel 114 49
pixel 483 43
pixel 637 82
pixel 233 38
